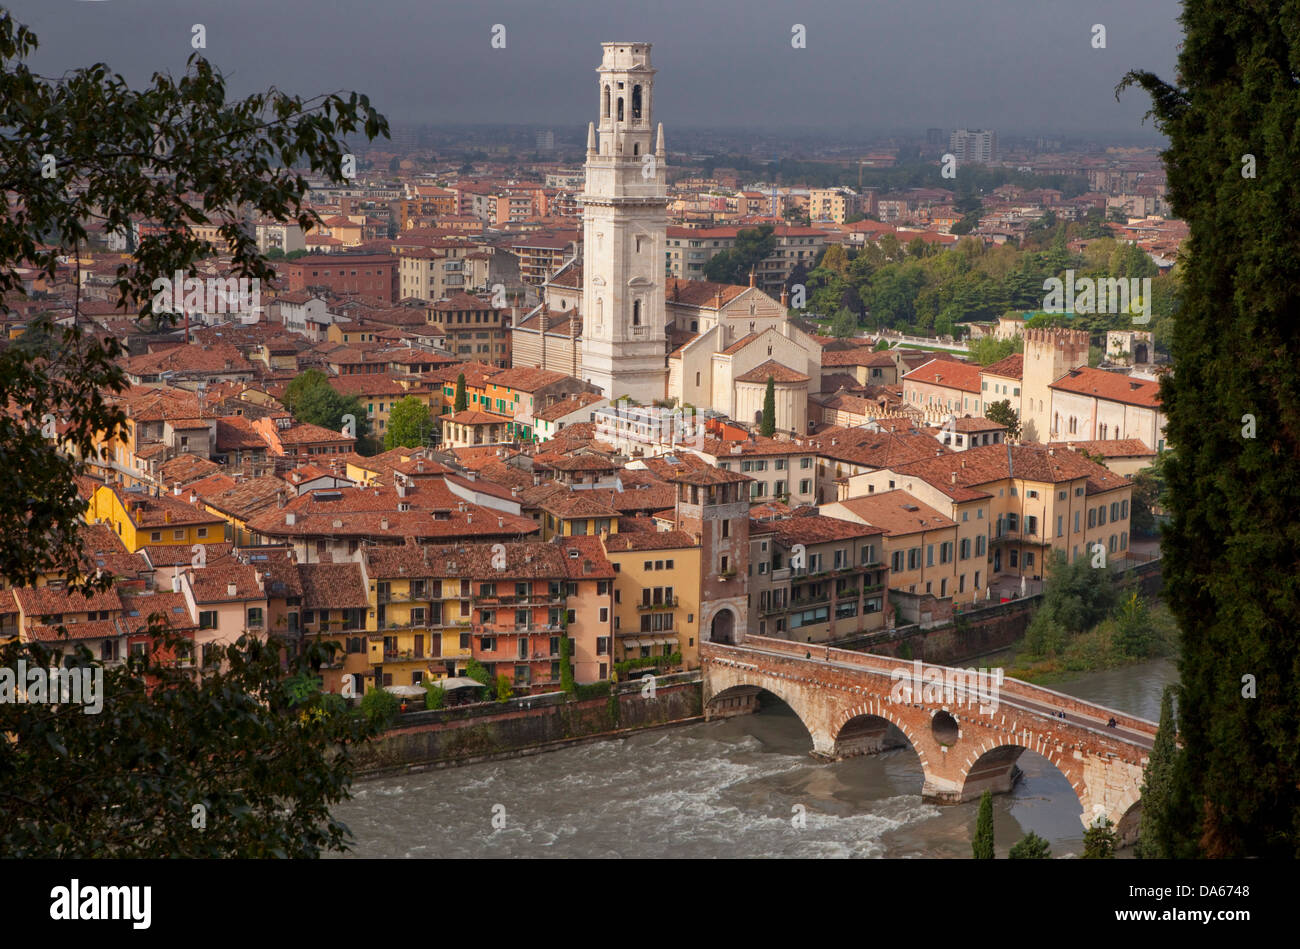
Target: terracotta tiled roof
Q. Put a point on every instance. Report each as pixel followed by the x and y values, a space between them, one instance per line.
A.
pixel 42 601
pixel 476 417
pixel 591 562
pixel 332 586
pixel 639 540
pixel 1012 367
pixel 526 379
pixel 896 512
pixel 1110 386
pixel 567 406
pixel 772 370
pixel 818 529
pixel 1110 448
pixel 948 373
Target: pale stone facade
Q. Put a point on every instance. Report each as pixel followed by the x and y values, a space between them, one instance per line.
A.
pixel 625 220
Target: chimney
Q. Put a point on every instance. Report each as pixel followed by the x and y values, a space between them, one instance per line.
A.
pixel 954 477
pixel 176 488
pixel 383 523
pixel 176 583
pixel 751 276
pixel 501 522
pixel 289 518
pixel 231 589
pixel 469 518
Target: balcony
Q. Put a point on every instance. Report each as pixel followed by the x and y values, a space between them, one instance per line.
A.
pixel 669 604
pixel 810 601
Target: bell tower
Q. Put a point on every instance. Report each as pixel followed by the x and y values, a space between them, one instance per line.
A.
pixel 624 223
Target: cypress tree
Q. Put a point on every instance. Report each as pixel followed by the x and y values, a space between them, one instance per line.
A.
pixel 462 401
pixel 1233 407
pixel 768 426
pixel 1155 833
pixel 982 845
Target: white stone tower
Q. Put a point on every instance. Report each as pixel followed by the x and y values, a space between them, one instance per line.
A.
pixel 624 222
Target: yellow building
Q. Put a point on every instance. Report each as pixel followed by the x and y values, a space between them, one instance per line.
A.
pixel 656 595
pixel 141 519
pixel 419 618
pixel 577 514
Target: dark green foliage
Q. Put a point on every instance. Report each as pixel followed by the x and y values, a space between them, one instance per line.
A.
pixel 311 398
pixel 768 426
pixel 1149 496
pixel 566 665
pixel 1076 597
pixel 409 424
pixel 435 696
pixel 1232 550
pixel 1099 841
pixel 462 400
pixel 504 692
pixel 1002 413
pixel 989 349
pixel 1156 834
pixel 264 756
pixel 380 706
pixel 134 154
pixel 1030 847
pixel 751 247
pixel 982 845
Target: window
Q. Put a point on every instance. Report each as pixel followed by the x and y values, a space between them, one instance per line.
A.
pixel 896 561
pixel 156 537
pixel 1092 517
pixel 805 463
pixel 1101 515
pixel 1060 525
pixel 203 532
pixel 1123 510
pixel 208 619
pixel 604 614
pixel 929 555
pixel 254 616
pixel 964 549
pixel 945 552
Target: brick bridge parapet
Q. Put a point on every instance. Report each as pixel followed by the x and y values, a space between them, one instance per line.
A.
pixel 967 739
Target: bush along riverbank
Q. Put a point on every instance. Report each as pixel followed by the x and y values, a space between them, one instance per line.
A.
pixel 1089 622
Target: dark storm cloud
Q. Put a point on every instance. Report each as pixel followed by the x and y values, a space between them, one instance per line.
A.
pixel 1014 65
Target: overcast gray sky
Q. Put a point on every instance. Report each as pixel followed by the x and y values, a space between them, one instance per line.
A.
pixel 1013 65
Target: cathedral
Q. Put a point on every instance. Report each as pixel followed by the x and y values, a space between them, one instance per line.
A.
pixel 614 318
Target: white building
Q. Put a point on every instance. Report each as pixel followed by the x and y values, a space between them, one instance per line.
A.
pixel 625 215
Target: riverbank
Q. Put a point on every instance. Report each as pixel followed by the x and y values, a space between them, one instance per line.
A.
pixel 421 741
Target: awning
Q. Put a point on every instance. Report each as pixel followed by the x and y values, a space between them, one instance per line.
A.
pixel 667 641
pixel 457 682
pixel 632 644
pixel 405 691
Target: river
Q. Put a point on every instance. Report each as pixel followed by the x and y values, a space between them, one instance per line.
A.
pixel 742 787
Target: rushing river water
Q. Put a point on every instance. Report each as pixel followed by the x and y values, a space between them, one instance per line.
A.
pixel 729 788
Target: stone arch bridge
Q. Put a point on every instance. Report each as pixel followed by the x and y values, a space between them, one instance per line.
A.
pixel 968 736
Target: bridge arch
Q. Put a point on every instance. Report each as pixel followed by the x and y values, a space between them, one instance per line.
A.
pixel 863 729
pixel 992 766
pixel 735 689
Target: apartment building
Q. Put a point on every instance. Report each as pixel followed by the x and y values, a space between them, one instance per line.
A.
pixel 927 551
pixel 656 594
pixel 814 578
pixel 1040 499
pixel 372 275
pixel 473 329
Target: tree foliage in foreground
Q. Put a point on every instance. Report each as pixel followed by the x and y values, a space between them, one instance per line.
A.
pixel 243 763
pixel 1232 550
pixel 982 844
pixel 257 760
pixel 1031 847
pixel 174 153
